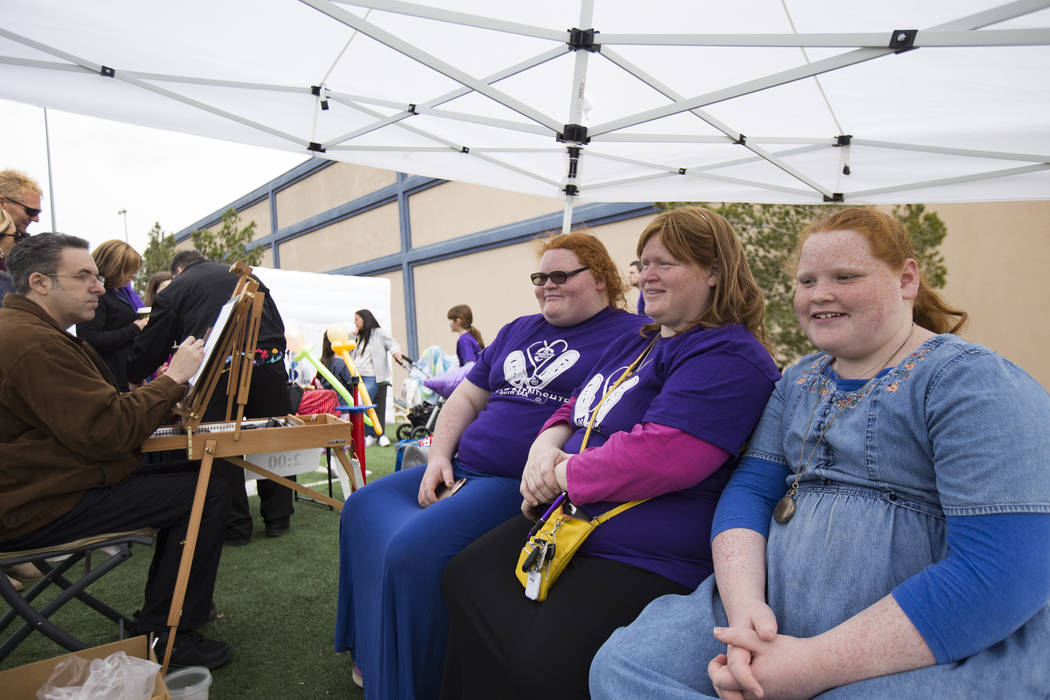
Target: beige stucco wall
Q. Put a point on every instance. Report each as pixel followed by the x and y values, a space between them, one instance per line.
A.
pixel 335 185
pixel 995 253
pixel 397 325
pixel 455 209
pixel 260 214
pixel 373 234
pixel 997 256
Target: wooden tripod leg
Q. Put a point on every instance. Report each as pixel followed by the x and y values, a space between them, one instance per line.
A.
pixel 293 485
pixel 348 467
pixel 188 548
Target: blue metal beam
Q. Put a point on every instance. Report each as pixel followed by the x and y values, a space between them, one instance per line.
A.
pixel 590 214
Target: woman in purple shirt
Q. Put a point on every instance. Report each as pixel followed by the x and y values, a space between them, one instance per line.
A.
pixel 398 533
pixel 670 433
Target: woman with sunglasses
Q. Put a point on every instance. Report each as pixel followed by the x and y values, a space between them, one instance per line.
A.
pixel 398 533
pixel 887 534
pixel 116 324
pixel 663 417
pixel 8 238
pixel 20 198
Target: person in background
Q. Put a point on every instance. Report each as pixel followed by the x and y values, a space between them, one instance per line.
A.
pixel 335 365
pixel 887 533
pixel 670 432
pixel 634 272
pixel 189 306
pixel 470 343
pixel 158 281
pixel 20 198
pixel 116 324
pixel 8 237
pixel 398 533
pixel 70 458
pixel 371 356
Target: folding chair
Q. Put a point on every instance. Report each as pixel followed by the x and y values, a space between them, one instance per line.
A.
pixel 54 573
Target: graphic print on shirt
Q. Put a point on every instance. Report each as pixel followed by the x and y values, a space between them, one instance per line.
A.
pixel 597 387
pixel 540 364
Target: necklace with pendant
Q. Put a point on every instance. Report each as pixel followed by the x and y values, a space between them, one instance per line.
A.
pixel 785 508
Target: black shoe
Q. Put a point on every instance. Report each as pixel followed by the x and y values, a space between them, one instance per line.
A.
pixel 277 528
pixel 232 541
pixel 194 649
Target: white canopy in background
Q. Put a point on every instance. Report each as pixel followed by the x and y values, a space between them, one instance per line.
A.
pixel 751 100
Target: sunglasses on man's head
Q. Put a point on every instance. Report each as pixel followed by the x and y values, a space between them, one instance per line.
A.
pixel 556 276
pixel 30 211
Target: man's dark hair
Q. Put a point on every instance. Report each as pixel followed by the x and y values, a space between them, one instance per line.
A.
pixel 636 264
pixel 39 253
pixel 184 259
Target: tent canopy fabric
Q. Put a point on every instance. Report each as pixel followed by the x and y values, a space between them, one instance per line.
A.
pixel 800 101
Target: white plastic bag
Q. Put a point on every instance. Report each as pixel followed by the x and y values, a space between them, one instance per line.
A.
pixel 116 677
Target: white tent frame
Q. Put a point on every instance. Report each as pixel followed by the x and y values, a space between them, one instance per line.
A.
pixel 581 143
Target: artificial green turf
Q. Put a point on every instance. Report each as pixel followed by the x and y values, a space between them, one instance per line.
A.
pixel 276 600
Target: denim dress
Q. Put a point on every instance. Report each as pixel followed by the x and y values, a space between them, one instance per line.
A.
pixel 952 430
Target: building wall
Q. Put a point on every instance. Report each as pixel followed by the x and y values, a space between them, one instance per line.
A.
pixel 371 234
pixel 997 255
pixel 327 189
pixel 443 243
pixel 455 209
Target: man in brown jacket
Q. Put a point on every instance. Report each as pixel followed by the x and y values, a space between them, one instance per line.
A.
pixel 69 440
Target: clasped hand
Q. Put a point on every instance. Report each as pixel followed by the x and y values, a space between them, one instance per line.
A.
pixel 539 482
pixel 760 663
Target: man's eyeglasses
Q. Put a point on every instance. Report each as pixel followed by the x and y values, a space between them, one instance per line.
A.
pixel 556 276
pixel 30 211
pixel 85 278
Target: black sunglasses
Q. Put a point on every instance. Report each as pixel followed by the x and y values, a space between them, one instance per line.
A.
pixel 30 211
pixel 556 276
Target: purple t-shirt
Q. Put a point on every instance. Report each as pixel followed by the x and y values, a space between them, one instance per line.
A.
pixel 711 383
pixel 529 370
pixel 467 349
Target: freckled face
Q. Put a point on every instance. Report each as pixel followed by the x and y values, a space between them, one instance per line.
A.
pixel 849 303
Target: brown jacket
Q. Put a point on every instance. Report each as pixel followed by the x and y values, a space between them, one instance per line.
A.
pixel 64 427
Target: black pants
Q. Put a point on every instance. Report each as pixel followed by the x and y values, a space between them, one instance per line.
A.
pixel 503 645
pixel 267 397
pixel 161 501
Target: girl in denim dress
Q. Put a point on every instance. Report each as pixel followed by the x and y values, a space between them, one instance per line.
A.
pixel 888 531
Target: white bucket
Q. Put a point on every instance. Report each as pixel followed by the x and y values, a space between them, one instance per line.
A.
pixel 190 683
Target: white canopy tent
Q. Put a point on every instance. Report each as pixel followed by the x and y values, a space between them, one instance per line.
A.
pixel 595 100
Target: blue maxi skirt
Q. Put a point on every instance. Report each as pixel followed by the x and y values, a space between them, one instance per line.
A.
pixel 392 555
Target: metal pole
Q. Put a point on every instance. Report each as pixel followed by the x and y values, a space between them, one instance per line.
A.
pixel 50 180
pixel 124 213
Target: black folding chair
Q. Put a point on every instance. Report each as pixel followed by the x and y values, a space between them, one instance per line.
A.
pixel 119 546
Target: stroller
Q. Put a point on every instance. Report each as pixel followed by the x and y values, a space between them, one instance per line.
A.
pixel 416 407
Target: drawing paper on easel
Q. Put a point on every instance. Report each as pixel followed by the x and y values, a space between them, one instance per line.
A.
pixel 218 330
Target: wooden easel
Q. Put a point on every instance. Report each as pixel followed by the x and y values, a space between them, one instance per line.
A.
pixel 208 441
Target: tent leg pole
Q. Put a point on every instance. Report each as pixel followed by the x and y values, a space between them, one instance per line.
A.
pixel 566 219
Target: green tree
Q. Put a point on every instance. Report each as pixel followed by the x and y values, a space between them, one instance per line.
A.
pixel 769 233
pixel 227 245
pixel 156 257
pixel 230 243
